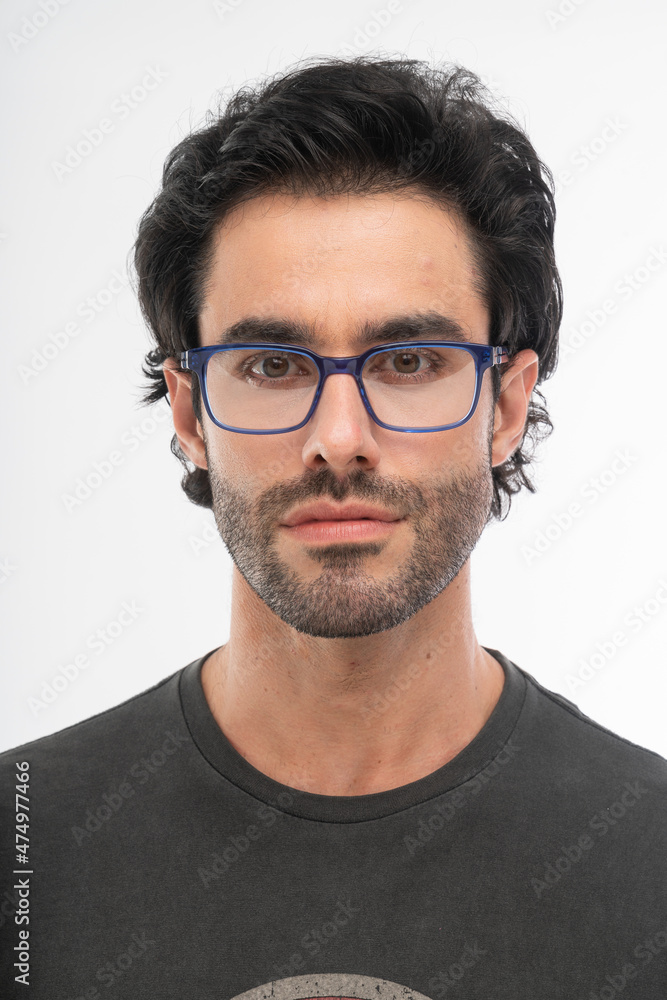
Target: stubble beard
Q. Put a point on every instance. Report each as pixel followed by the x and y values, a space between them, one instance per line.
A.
pixel 446 518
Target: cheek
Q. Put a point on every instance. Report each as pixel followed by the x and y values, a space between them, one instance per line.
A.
pixel 256 463
pixel 462 451
pixel 467 447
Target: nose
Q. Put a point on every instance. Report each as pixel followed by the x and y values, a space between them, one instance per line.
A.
pixel 341 431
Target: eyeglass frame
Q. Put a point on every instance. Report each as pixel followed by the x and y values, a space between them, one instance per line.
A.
pixel 485 356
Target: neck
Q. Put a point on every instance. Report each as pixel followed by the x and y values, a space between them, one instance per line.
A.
pixel 352 716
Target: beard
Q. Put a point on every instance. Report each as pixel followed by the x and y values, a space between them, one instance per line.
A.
pixel 446 515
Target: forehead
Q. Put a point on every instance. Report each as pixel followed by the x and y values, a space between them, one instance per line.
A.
pixel 333 264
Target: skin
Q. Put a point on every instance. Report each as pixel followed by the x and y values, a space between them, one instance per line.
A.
pixel 351 667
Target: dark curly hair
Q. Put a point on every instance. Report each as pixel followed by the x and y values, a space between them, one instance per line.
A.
pixel 361 125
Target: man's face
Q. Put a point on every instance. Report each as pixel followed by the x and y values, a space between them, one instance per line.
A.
pixel 333 264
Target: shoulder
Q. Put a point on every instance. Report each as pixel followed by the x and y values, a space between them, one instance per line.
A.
pixel 122 730
pixel 579 752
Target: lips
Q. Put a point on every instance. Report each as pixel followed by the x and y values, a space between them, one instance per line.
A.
pixel 333 512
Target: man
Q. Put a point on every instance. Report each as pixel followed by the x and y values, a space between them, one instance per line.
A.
pixel 351 797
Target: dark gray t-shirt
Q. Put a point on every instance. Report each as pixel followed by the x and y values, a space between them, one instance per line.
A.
pixel 161 864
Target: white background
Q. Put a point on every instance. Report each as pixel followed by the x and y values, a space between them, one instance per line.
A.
pixel 66 573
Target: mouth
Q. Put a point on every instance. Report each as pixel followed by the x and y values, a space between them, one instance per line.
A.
pixel 342 530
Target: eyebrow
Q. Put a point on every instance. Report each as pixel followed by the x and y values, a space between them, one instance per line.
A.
pixel 415 326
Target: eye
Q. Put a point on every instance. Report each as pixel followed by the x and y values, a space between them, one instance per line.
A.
pixel 407 363
pixel 274 365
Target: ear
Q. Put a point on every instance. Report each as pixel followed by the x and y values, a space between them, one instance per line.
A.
pixel 189 431
pixel 512 406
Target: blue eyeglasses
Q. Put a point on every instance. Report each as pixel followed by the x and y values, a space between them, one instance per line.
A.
pixel 414 386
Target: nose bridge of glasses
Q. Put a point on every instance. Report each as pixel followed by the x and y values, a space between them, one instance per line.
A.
pixel 339 366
